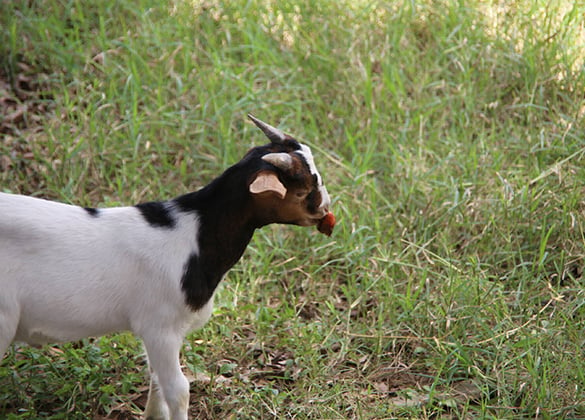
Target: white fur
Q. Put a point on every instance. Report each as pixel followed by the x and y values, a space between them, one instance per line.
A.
pixel 65 275
pixel 308 156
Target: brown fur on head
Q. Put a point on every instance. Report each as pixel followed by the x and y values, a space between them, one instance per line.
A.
pixel 288 188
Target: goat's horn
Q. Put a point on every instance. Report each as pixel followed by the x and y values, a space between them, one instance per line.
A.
pixel 274 134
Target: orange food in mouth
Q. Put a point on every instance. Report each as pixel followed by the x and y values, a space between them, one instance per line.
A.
pixel 326 224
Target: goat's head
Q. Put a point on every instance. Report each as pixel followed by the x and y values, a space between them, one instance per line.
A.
pixel 287 188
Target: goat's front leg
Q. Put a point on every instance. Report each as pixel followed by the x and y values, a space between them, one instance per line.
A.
pixel 168 397
pixel 156 406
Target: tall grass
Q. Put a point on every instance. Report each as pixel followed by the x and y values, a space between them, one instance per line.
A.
pixel 450 135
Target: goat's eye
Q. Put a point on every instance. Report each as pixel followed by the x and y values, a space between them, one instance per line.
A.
pixel 301 194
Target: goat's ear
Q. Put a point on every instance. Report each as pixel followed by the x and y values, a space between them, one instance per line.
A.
pixel 266 181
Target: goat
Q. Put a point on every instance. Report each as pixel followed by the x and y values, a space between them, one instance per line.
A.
pixel 68 272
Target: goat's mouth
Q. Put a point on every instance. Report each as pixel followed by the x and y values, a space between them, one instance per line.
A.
pixel 324 220
pixel 308 221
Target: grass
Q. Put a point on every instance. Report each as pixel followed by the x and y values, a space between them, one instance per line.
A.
pixel 450 135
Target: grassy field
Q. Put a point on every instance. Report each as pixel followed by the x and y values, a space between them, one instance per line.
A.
pixel 451 136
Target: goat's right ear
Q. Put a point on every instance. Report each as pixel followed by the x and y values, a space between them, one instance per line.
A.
pixel 267 181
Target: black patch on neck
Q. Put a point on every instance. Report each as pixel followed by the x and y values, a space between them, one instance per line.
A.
pixel 223 237
pixel 226 226
pixel 157 214
pixel 91 211
pixel 198 285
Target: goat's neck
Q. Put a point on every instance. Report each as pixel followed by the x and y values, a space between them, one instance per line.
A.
pixel 226 226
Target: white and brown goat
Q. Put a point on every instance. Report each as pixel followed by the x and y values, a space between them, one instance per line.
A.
pixel 68 272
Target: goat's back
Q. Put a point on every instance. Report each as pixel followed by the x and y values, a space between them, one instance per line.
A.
pixel 68 272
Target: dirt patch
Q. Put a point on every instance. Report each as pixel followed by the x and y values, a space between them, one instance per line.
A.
pixel 25 106
pixel 24 99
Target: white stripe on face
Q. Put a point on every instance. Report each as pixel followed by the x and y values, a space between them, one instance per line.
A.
pixel 305 152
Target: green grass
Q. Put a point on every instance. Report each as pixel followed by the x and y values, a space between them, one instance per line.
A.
pixel 451 138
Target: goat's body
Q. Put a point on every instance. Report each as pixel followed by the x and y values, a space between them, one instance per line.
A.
pixel 86 295
pixel 67 273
